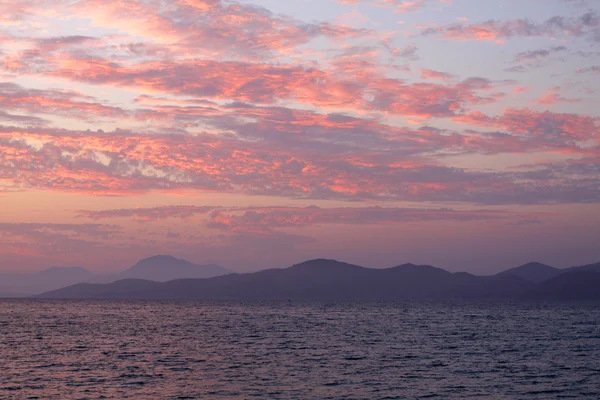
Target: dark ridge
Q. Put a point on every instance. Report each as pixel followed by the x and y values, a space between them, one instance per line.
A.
pixel 125 288
pixel 163 268
pixel 420 269
pixel 322 280
pixel 322 263
pixel 588 267
pixel 533 272
pixel 571 286
pixel 331 280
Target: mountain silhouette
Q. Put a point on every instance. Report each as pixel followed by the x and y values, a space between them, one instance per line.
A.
pixel 324 280
pixel 576 285
pixel 164 268
pixel 118 289
pixel 590 267
pixel 157 268
pixel 533 272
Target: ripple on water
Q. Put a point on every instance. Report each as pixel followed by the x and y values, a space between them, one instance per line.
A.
pixel 189 350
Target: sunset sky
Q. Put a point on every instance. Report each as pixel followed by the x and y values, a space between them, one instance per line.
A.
pixel 459 133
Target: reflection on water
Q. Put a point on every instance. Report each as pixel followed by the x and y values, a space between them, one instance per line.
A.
pixel 105 349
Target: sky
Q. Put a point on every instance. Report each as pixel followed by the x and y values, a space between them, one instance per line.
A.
pixel 256 134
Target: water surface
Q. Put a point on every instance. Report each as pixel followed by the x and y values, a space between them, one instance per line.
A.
pixel 136 349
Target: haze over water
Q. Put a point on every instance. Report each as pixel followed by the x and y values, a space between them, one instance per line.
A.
pixel 287 350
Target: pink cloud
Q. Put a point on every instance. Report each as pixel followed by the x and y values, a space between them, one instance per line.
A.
pixel 554 98
pixel 122 163
pixel 551 127
pixel 55 102
pixel 495 30
pixel 230 28
pixel 435 75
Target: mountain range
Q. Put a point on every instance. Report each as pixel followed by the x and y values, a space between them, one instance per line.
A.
pixel 168 268
pixel 533 272
pixel 331 280
pixel 158 268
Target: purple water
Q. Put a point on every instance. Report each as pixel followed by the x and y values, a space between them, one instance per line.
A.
pixel 164 350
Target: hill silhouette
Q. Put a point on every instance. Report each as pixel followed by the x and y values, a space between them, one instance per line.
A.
pixel 118 289
pixel 589 267
pixel 164 268
pixel 575 285
pixel 533 272
pixel 324 280
pixel 157 268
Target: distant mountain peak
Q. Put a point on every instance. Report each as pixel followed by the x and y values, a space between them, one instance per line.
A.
pixel 320 280
pixel 163 268
pixel 332 280
pixel 420 269
pixel 322 263
pixel 535 264
pixel 535 272
pixel 415 266
pixel 162 258
pixel 588 267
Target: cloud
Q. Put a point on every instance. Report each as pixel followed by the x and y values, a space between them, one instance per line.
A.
pixel 281 152
pixel 269 218
pixel 560 129
pixel 230 29
pixel 14 12
pixel 265 122
pixel 586 25
pixel 535 55
pixel 538 58
pixel 266 219
pixel 25 120
pixel 436 75
pixel 399 6
pixel 351 81
pixel 148 214
pixel 594 69
pixel 54 239
pixel 553 97
pixel 65 103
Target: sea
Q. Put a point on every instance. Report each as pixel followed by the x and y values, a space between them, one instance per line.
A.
pixel 54 349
